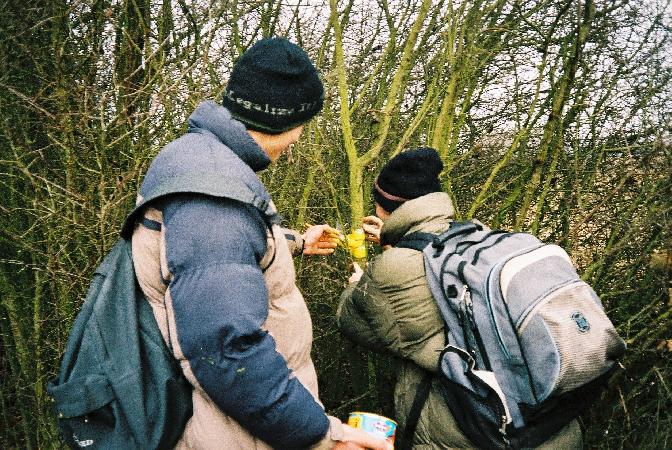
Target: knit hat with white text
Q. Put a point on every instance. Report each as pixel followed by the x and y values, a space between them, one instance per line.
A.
pixel 274 87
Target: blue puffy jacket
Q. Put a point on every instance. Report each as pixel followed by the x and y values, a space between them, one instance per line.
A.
pixel 219 276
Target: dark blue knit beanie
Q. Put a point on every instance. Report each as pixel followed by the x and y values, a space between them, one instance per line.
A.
pixel 274 87
pixel 410 174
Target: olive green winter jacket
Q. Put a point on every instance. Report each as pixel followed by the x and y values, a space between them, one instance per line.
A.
pixel 392 310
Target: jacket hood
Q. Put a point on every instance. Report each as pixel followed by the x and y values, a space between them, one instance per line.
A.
pixel 216 119
pixel 216 157
pixel 429 213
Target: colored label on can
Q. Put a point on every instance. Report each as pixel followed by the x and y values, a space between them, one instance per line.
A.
pixel 373 423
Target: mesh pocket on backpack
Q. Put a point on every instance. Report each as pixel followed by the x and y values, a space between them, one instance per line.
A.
pixel 568 340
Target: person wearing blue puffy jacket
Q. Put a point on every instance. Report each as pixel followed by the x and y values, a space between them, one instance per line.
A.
pixel 217 268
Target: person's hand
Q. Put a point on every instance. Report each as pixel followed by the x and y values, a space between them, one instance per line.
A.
pixel 356 275
pixel 320 240
pixel 356 439
pixel 371 226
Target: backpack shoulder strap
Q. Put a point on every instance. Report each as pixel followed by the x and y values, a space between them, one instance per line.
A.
pixel 419 400
pixel 215 185
pixel 417 241
pixel 457 229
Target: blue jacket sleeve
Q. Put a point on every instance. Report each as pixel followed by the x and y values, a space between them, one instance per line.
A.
pixel 220 301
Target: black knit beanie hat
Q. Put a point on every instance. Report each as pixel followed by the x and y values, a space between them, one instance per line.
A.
pixel 273 87
pixel 410 174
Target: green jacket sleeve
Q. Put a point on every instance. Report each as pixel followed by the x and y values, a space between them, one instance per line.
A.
pixel 359 316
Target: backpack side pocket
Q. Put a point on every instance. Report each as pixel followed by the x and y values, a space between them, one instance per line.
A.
pixel 86 410
pixel 582 343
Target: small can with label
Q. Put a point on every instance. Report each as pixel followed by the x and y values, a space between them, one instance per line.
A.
pixel 374 424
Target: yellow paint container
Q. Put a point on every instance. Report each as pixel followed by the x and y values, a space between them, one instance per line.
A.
pixel 357 244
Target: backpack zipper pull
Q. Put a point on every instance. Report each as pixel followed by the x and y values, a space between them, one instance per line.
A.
pixel 505 438
pixel 502 428
pixel 469 306
pixel 469 325
pixel 461 305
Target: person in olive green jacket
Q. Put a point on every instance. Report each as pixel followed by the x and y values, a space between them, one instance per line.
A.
pixel 389 308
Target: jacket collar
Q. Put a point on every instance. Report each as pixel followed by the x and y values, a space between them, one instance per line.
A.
pixel 214 118
pixel 430 213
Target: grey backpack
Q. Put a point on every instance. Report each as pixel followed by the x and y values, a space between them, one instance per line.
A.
pixel 528 344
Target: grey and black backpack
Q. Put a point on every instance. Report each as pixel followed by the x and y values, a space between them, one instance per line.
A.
pixel 528 344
